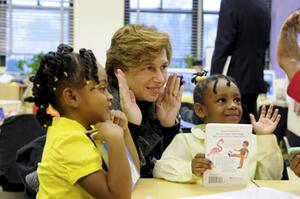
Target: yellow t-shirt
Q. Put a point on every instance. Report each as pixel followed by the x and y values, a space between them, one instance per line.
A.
pixel 68 156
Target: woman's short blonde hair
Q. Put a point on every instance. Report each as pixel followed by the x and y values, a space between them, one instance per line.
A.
pixel 133 45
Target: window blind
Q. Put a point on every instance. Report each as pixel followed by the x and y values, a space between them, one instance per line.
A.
pixel 177 18
pixel 32 26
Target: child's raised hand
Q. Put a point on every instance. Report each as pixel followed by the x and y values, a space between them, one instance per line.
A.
pixel 267 123
pixel 119 118
pixel 107 131
pixel 200 164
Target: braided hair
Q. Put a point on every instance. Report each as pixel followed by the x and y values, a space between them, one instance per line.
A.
pixel 59 69
pixel 202 82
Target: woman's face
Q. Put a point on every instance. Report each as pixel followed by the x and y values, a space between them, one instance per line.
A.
pixel 147 81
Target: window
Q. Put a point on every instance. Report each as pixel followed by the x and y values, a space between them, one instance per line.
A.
pixel 178 18
pixel 28 27
pixel 209 25
pixel 192 27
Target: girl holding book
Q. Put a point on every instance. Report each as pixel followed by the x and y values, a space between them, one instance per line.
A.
pixel 217 99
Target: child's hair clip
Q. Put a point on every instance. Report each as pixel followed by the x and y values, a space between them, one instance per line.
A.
pixel 66 74
pixel 199 76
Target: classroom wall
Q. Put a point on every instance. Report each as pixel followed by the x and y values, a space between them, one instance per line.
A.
pixel 95 21
pixel 281 9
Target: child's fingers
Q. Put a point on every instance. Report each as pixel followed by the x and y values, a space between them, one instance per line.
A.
pixel 116 116
pixel 96 136
pixel 200 161
pixel 263 111
pixel 252 119
pixel 275 114
pixel 119 118
pixel 277 119
pixel 200 155
pixel 199 171
pixel 293 155
pixel 270 111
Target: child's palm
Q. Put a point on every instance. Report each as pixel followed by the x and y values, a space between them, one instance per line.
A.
pixel 119 118
pixel 107 130
pixel 200 164
pixel 267 123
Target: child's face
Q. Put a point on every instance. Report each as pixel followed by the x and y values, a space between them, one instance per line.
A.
pixel 96 100
pixel 223 107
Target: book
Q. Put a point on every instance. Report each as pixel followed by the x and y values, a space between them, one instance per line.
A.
pixel 228 147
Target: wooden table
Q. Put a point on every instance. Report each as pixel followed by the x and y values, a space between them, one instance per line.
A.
pixel 148 188
pixel 291 186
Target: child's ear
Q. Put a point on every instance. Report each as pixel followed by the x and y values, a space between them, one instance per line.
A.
pixel 199 110
pixel 71 97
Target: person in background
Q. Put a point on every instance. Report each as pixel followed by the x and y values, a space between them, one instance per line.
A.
pixel 138 58
pixel 288 51
pixel 71 165
pixel 244 34
pixel 217 99
pixel 288 56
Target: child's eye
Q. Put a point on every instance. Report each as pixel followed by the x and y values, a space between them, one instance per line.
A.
pixel 221 100
pixel 237 100
pixel 100 88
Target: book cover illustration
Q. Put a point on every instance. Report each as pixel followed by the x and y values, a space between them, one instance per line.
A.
pixel 228 146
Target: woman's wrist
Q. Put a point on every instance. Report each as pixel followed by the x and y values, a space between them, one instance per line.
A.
pixel 169 123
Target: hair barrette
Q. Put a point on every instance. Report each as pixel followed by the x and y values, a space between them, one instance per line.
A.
pixel 199 76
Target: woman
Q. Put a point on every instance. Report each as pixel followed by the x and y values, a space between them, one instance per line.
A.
pixel 136 65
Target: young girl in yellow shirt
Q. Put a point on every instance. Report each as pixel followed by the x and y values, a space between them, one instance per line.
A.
pixel 71 165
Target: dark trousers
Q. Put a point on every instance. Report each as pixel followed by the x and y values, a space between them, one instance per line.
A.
pixel 249 106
